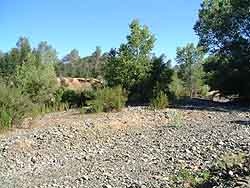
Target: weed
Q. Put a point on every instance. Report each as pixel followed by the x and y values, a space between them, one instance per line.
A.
pixel 160 101
pixel 176 119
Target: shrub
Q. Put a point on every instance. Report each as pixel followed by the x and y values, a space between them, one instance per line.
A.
pixel 76 98
pixel 38 81
pixel 13 106
pixel 160 101
pixel 229 161
pixel 223 172
pixel 47 108
pixel 5 119
pixel 204 90
pixel 108 99
pixel 71 97
pixel 176 87
pixel 187 178
pixel 175 119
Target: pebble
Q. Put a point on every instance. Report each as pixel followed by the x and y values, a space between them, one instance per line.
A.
pixel 124 149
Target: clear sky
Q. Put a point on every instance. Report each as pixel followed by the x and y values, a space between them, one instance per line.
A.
pixel 85 24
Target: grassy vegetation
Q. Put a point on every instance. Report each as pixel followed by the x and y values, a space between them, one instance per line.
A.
pixel 224 170
pixel 29 74
pixel 176 119
pixel 108 99
pixel 160 101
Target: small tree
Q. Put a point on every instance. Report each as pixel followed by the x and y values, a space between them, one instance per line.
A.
pixel 108 99
pixel 130 65
pixel 176 87
pixel 38 81
pixel 160 101
pixel 13 105
pixel 189 68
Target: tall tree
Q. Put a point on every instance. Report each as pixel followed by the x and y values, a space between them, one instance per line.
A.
pixel 72 57
pixel 224 31
pixel 160 76
pixel 97 59
pixel 130 64
pixel 189 60
pixel 1 54
pixel 46 53
pixel 24 49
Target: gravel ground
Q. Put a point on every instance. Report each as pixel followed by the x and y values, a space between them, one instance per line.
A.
pixel 135 148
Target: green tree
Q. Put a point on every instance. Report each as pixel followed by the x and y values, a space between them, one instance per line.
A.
pixel 160 76
pixel 1 54
pixel 224 31
pixel 38 81
pixel 24 49
pixel 46 53
pixel 130 65
pixel 72 65
pixel 72 57
pixel 97 60
pixel 176 87
pixel 13 105
pixel 189 68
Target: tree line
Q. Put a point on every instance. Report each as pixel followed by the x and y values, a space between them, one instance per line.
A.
pixel 220 61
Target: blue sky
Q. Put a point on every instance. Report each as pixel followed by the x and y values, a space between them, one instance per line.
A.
pixel 85 24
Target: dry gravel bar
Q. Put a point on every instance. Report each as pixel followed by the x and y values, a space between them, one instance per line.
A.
pixel 135 148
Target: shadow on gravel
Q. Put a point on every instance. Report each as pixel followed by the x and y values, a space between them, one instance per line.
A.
pixel 208 105
pixel 241 122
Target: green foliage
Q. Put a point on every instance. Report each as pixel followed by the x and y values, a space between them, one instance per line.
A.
pixel 176 87
pixel 72 98
pixel 73 65
pixel 223 28
pixel 46 53
pixel 160 76
pixel 160 101
pixel 190 179
pixel 133 67
pixel 5 118
pixel 38 81
pixel 28 82
pixel 108 99
pixel 223 171
pixel 175 119
pixel 24 50
pixel 129 66
pixel 8 66
pixel 204 90
pixel 229 161
pixel 76 98
pixel 41 109
pixel 13 105
pixel 190 71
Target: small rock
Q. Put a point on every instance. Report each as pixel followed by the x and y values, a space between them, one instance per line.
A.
pixel 107 186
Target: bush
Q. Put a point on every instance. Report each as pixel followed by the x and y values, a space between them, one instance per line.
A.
pixel 176 87
pixel 38 81
pixel 204 90
pixel 108 99
pixel 175 119
pixel 13 106
pixel 76 98
pixel 160 101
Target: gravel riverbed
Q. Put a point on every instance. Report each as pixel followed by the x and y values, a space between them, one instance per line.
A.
pixel 135 148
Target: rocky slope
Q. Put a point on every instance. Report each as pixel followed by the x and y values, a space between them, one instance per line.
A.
pixel 130 149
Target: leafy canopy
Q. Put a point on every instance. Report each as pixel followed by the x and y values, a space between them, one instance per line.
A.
pixel 130 64
pixel 224 30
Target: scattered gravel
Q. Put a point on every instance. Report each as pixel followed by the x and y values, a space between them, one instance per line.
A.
pixel 135 148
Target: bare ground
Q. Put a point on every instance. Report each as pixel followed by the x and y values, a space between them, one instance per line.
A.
pixel 133 148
